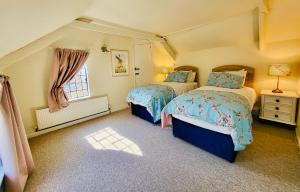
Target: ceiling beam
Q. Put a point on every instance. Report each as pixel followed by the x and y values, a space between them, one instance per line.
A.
pixel 96 26
pixel 169 49
pixel 264 6
pixel 263 11
pixel 113 29
pixel 261 29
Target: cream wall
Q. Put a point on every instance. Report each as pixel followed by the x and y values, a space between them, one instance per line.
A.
pixel 29 77
pixel 242 55
pixel 283 20
pixel 160 58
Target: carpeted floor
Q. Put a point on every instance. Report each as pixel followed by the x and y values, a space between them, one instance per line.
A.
pixel 121 152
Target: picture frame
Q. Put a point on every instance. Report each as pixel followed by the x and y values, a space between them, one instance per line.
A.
pixel 120 62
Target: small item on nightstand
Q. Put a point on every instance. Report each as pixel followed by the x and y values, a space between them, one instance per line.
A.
pixel 279 107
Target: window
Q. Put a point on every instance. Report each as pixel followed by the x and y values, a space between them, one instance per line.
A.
pixel 78 87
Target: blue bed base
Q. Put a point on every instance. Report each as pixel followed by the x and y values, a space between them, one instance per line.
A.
pixel 213 142
pixel 142 112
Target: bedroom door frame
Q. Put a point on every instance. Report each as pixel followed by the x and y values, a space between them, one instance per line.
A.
pixel 143 68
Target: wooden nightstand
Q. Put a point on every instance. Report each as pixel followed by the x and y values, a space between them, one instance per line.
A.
pixel 279 107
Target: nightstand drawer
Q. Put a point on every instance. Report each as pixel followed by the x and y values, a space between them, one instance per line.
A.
pixel 279 100
pixel 278 107
pixel 277 115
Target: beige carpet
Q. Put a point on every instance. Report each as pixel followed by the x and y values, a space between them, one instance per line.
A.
pixel 121 152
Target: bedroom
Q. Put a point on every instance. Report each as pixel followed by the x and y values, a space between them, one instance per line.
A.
pixel 153 37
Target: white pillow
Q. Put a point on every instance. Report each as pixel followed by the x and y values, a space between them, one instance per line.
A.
pixel 242 73
pixel 191 77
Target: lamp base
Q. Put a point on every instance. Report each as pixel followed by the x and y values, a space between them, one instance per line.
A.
pixel 277 91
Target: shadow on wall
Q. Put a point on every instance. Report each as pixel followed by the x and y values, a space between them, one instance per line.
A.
pixel 160 59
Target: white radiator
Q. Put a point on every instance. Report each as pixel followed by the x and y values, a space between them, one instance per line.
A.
pixel 76 112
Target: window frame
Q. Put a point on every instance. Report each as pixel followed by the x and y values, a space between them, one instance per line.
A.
pixel 88 86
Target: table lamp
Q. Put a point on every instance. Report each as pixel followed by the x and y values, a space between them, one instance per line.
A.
pixel 279 70
pixel 165 71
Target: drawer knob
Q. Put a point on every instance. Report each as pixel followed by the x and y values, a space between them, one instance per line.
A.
pixel 276 116
pixel 277 108
pixel 277 100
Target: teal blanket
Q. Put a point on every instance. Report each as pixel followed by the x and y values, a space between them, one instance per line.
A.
pixel 220 108
pixel 154 97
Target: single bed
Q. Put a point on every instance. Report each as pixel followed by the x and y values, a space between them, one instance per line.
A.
pixel 215 139
pixel 145 111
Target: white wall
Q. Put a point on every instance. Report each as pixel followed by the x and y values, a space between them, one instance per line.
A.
pixel 29 77
pixel 283 20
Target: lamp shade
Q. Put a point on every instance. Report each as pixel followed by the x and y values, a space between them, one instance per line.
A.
pixel 164 70
pixel 279 69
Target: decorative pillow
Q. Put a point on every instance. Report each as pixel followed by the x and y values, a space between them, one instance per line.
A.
pixel 191 77
pixel 177 76
pixel 242 73
pixel 226 80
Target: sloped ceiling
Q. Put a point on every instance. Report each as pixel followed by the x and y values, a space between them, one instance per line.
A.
pixel 237 30
pixel 166 16
pixel 189 25
pixel 23 22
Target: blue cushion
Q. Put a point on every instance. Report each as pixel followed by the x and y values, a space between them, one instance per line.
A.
pixel 178 76
pixel 226 80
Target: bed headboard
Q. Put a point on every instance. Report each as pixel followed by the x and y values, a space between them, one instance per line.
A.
pixel 250 72
pixel 189 68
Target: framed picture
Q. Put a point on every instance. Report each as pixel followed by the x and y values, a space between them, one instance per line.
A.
pixel 120 63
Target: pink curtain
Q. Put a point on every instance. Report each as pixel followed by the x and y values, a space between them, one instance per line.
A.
pixel 14 148
pixel 66 64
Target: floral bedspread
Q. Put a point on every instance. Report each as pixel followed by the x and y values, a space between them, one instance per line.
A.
pixel 220 108
pixel 154 97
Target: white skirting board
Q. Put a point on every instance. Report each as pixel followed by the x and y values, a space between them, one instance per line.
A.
pixel 38 133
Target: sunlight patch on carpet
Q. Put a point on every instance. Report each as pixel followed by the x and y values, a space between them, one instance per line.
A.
pixel 109 139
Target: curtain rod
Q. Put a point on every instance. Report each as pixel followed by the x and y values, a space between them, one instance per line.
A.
pixel 78 48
